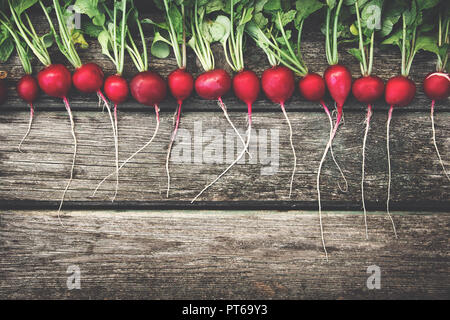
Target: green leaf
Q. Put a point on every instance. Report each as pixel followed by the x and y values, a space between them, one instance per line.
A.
pixel 214 5
pixel 305 8
pixel 426 43
pixel 356 53
pixel 6 49
pixel 21 5
pixel 103 39
pixel 160 48
pixel 78 39
pixel 225 22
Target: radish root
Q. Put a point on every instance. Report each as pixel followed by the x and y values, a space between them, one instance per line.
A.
pixel 239 157
pixel 134 154
pixel 434 139
pixel 292 147
pixel 172 140
pixel 345 189
pixel 75 146
pixel 30 122
pixel 391 109
pixel 116 140
pixel 225 112
pixel 368 117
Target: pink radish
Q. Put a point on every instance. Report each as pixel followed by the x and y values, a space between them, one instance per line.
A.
pixel 339 83
pixel 180 82
pixel 366 89
pixel 181 85
pixel 437 87
pixel 28 90
pixel 146 87
pixel 278 85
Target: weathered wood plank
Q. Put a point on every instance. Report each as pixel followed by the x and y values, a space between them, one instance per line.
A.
pixel 41 172
pixel 386 64
pixel 221 255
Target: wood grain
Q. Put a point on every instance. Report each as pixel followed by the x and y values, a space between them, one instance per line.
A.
pixel 221 255
pixel 41 172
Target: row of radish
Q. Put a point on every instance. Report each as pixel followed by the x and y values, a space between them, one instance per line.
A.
pixel 270 23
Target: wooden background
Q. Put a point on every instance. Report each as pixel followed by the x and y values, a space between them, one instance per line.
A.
pixel 244 238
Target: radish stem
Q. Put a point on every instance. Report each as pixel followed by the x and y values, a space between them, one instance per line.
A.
pixel 29 127
pixel 434 139
pixel 391 109
pixel 368 117
pixel 292 147
pixel 134 154
pixel 172 139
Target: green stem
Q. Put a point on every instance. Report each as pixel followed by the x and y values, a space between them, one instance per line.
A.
pixel 183 46
pixel 372 38
pixel 43 57
pixel 361 42
pixel 404 47
pixel 122 34
pixel 327 36
pixel 173 37
pixel 20 49
pixel 335 37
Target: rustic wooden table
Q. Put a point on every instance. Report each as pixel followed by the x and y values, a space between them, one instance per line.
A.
pixel 244 238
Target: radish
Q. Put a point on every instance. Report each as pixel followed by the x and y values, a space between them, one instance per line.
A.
pixel 339 82
pixel 27 87
pixel 436 85
pixel 180 82
pixel 246 84
pixel 274 38
pixel 89 77
pixel 55 79
pixel 146 87
pixel 368 88
pixel 400 90
pixel 213 83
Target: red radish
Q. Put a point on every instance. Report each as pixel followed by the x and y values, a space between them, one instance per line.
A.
pixel 88 78
pixel 3 91
pixel 312 87
pixel 28 90
pixel 339 83
pixel 148 88
pixel 55 80
pixel 400 91
pixel 116 89
pixel 437 87
pixel 278 84
pixel 181 84
pixel 368 89
pixel 213 84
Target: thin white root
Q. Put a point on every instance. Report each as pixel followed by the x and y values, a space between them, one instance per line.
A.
pixel 225 112
pixel 230 166
pixel 75 146
pixel 330 118
pixel 293 150
pixel 134 154
pixel 434 140
pixel 389 170
pixel 30 123
pixel 368 117
pixel 176 123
